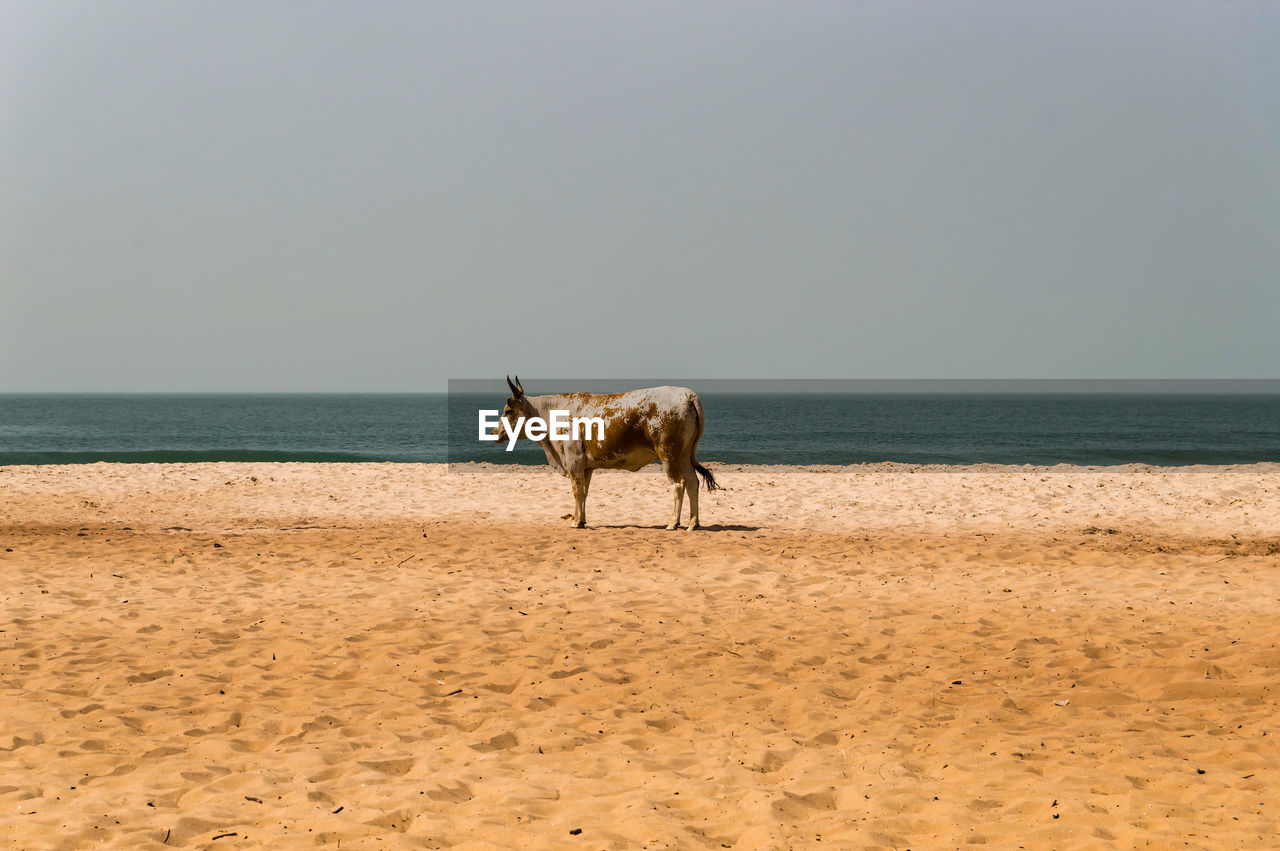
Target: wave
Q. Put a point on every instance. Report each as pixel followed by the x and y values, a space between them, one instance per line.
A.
pixel 1080 457
pixel 187 456
pixel 1105 457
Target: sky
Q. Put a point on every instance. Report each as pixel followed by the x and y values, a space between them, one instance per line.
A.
pixel 325 196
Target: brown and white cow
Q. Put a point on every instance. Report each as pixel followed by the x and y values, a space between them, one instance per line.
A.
pixel 640 427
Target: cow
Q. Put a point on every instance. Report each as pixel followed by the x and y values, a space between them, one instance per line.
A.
pixel 640 427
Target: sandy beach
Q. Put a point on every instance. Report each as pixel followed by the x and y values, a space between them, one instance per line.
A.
pixel 395 655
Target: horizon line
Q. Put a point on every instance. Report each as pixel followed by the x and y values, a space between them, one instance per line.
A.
pixel 781 386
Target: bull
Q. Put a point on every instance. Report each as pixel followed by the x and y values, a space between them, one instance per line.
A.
pixel 641 426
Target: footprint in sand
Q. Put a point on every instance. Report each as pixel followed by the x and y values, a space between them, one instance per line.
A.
pixel 398 820
pixel 501 742
pixel 451 794
pixel 800 807
pixel 393 767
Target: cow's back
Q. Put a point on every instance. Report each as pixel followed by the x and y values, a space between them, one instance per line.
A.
pixel 640 425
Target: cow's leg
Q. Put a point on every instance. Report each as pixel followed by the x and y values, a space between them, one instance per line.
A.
pixel 691 488
pixel 579 499
pixel 677 490
pixel 582 499
pixel 580 483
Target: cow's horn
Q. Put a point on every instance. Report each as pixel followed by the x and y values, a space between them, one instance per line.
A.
pixel 514 390
pixel 519 387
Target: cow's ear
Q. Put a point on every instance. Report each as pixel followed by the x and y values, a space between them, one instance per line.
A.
pixel 515 388
pixel 519 387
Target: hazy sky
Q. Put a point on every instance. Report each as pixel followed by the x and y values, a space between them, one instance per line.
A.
pixel 378 196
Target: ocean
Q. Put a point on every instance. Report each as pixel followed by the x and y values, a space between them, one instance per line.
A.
pixel 741 428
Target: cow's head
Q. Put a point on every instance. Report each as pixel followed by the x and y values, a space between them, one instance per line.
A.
pixel 516 407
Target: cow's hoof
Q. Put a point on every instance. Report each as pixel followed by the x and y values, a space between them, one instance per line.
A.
pixel 672 526
pixel 694 527
pixel 578 524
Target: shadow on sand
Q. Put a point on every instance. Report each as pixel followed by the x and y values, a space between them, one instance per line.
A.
pixel 710 527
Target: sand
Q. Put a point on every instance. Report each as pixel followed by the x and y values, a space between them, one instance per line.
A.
pixel 292 655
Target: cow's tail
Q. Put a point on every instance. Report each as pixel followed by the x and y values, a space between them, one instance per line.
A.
pixel 707 479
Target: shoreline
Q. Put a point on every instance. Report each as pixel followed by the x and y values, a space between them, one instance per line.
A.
pixel 731 465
